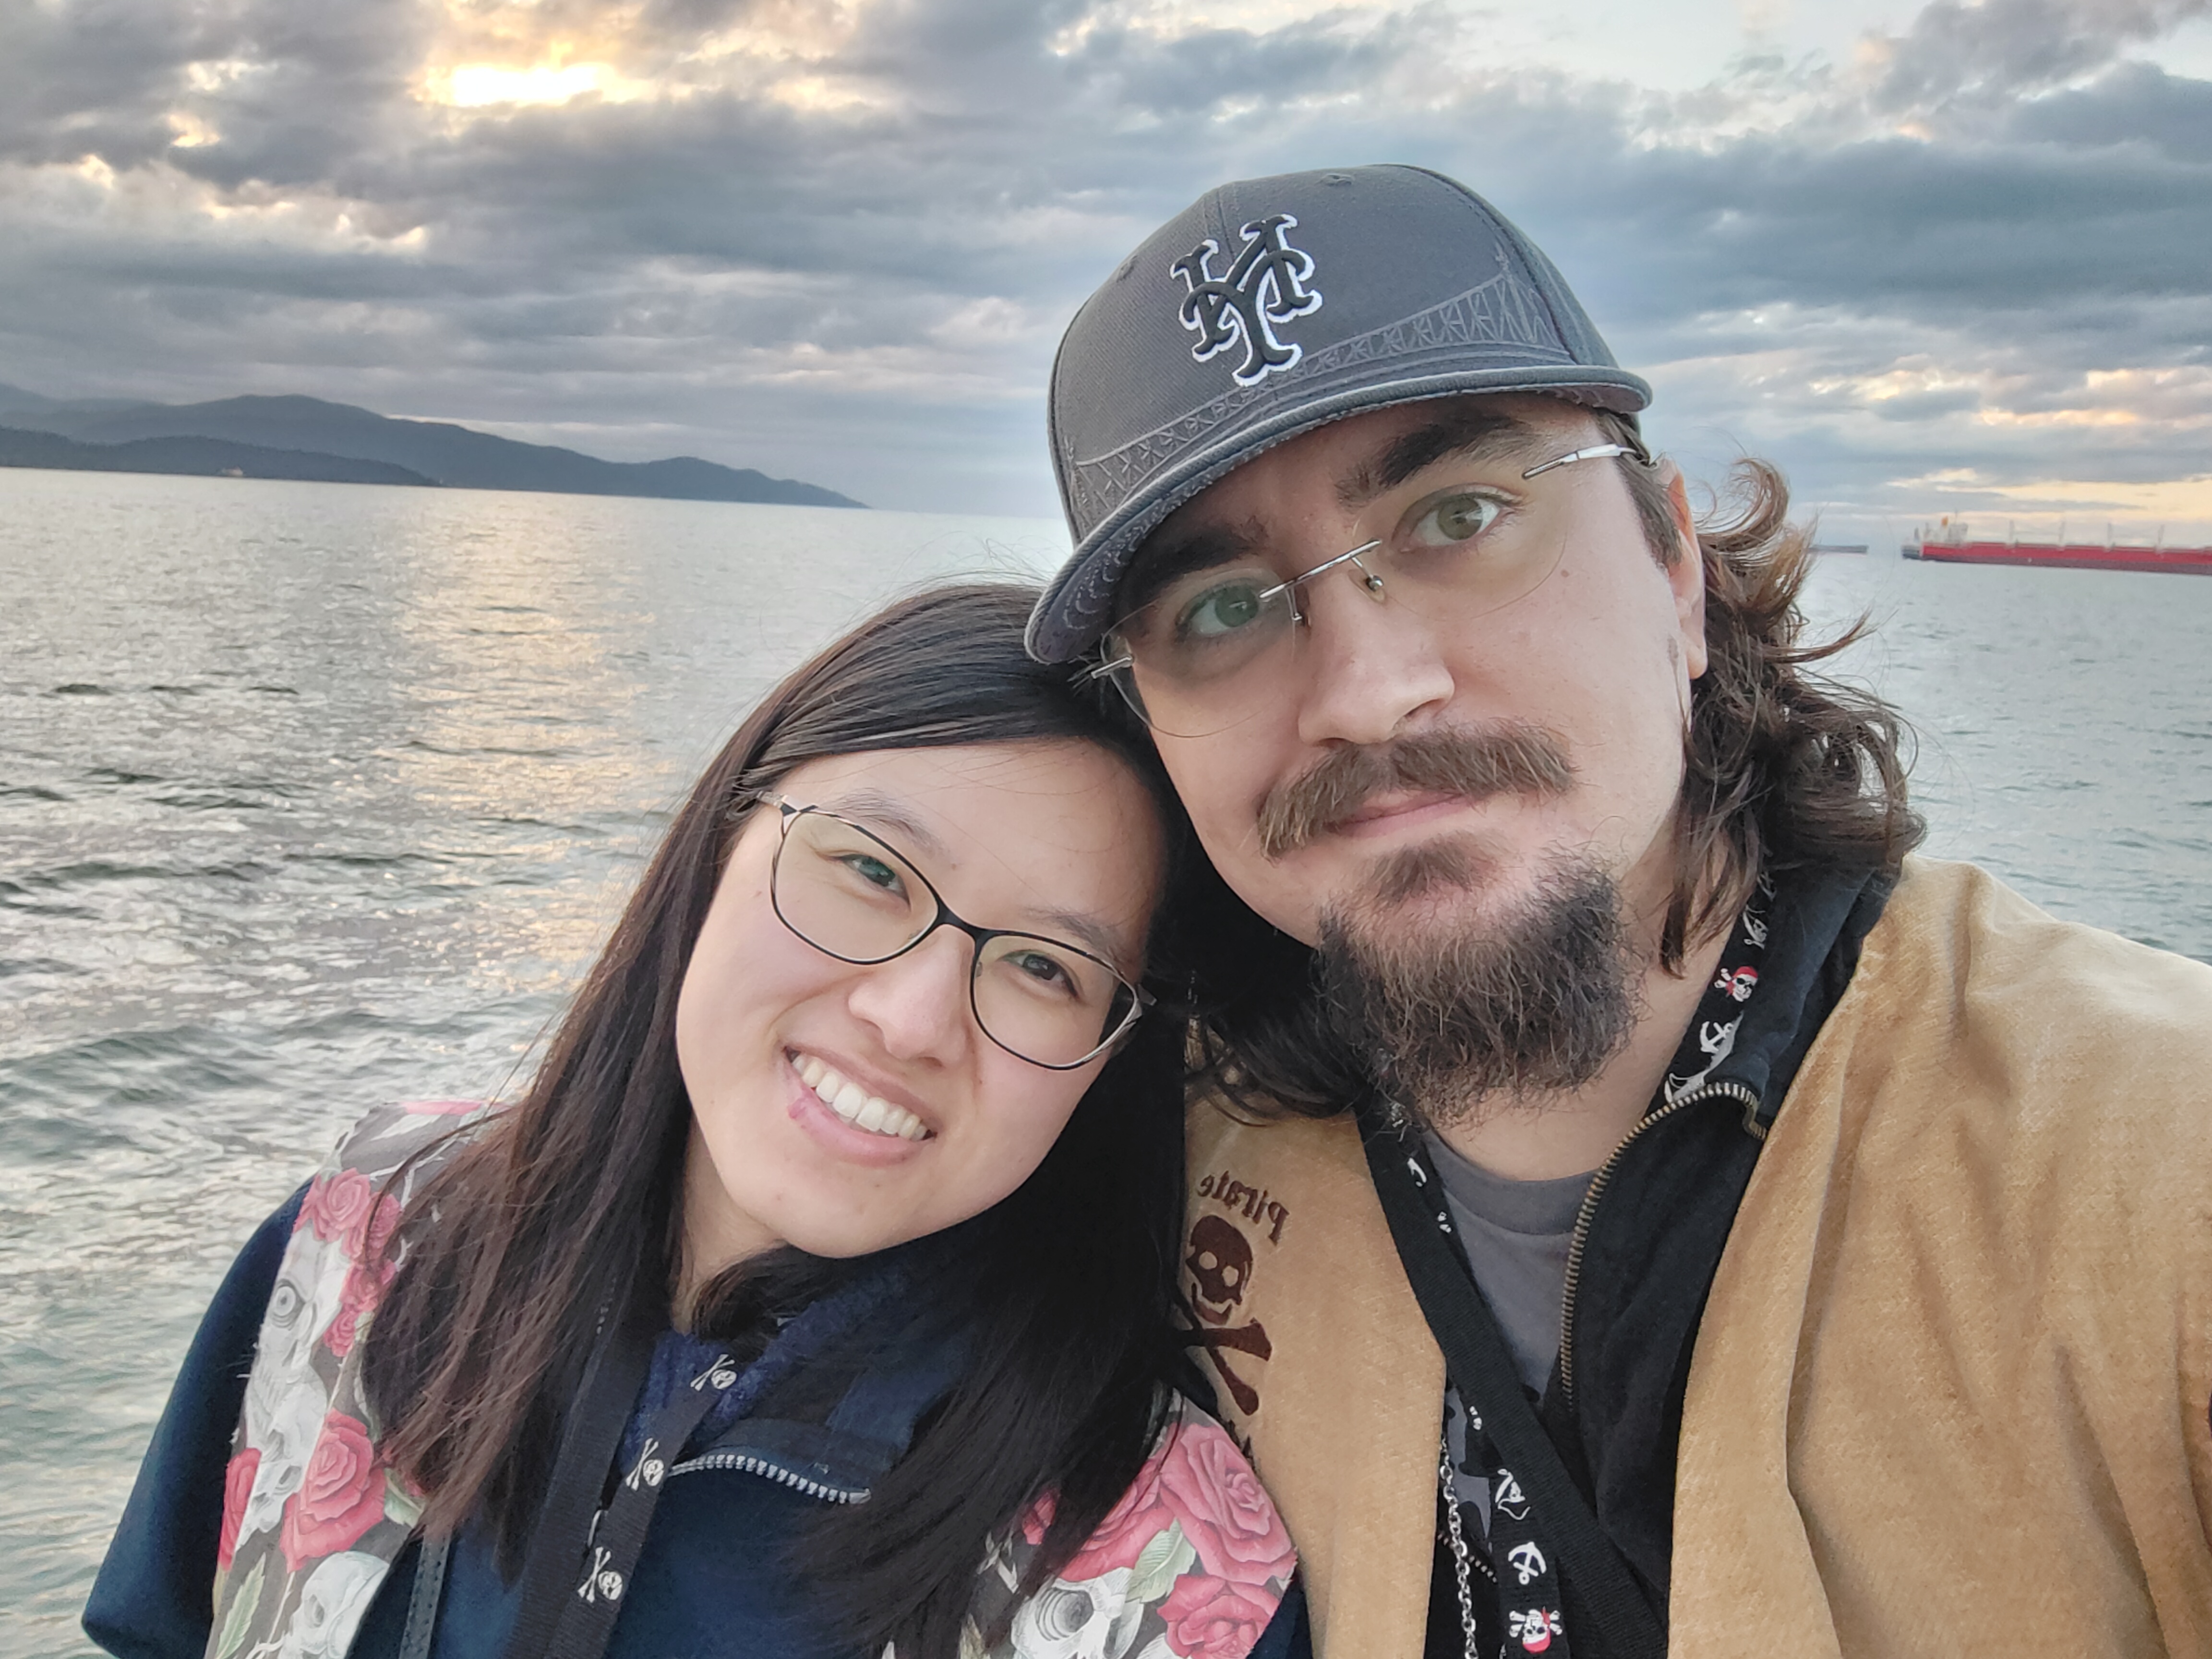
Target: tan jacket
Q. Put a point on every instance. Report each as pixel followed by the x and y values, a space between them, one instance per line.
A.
pixel 1952 1391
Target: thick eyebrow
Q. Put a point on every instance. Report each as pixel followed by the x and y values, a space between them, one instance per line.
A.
pixel 1466 435
pixel 1160 562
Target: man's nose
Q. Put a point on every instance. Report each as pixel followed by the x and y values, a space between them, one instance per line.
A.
pixel 918 1004
pixel 1368 665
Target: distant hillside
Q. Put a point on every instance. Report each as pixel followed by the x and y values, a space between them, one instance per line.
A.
pixel 431 450
pixel 14 401
pixel 206 458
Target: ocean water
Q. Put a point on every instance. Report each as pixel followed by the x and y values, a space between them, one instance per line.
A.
pixel 315 795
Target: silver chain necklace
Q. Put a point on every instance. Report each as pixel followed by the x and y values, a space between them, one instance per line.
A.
pixel 1464 1560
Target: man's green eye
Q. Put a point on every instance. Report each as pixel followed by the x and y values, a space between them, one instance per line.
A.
pixel 1455 518
pixel 1220 611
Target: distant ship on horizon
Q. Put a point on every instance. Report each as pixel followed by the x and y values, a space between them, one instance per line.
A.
pixel 1949 543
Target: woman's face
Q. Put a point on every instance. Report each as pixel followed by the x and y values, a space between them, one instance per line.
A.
pixel 1058 839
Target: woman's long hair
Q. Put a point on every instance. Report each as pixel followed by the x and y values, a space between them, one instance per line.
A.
pixel 1782 769
pixel 570 1202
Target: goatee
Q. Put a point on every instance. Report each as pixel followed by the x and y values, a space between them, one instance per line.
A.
pixel 1457 1021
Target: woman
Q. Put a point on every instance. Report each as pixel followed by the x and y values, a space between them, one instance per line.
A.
pixel 816 1297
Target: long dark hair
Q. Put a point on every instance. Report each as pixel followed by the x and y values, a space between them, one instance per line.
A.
pixel 1782 769
pixel 570 1202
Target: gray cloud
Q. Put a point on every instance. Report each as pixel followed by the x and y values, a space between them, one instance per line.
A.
pixel 2003 50
pixel 844 248
pixel 2136 106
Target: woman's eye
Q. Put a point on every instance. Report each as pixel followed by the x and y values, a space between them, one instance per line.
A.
pixel 1042 967
pixel 1220 611
pixel 1455 518
pixel 874 871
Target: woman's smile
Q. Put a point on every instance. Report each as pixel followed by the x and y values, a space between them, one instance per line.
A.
pixel 854 1104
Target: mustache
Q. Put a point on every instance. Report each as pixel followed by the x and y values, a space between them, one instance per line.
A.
pixel 1512 756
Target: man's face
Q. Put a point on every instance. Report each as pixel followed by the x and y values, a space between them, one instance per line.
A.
pixel 1576 691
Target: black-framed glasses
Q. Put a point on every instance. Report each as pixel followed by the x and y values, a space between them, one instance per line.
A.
pixel 1210 649
pixel 851 895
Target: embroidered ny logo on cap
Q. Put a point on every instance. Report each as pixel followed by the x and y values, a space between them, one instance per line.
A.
pixel 1265 285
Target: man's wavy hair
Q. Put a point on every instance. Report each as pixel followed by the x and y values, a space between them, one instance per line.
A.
pixel 1783 770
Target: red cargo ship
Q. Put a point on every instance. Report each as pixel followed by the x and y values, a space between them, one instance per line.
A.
pixel 1949 545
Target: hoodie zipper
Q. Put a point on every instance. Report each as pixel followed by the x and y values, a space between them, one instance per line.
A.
pixel 746 1463
pixel 1726 1089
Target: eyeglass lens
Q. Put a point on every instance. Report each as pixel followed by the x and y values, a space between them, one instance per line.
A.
pixel 1216 644
pixel 847 893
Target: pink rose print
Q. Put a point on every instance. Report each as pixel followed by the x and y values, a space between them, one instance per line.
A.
pixel 346 1208
pixel 367 1242
pixel 1211 1618
pixel 363 1289
pixel 237 1487
pixel 337 1204
pixel 1121 1536
pixel 1038 1520
pixel 1225 1511
pixel 340 1497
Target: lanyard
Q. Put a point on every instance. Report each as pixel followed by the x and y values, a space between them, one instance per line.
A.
pixel 617 1535
pixel 1505 1443
pixel 571 1598
pixel 1527 1477
pixel 589 1441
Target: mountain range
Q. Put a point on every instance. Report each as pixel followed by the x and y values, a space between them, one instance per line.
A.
pixel 299 437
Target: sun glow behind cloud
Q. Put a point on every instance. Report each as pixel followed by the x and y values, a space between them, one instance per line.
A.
pixel 496 55
pixel 481 85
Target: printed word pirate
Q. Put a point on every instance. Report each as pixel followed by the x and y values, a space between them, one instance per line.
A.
pixel 1639 1206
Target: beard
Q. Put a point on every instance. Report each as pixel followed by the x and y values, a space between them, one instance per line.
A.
pixel 1461 1019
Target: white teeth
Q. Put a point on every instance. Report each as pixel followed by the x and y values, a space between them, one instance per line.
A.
pixel 854 1104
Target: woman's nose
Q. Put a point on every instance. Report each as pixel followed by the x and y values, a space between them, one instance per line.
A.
pixel 918 1003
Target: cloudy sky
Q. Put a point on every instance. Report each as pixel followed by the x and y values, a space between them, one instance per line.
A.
pixel 1951 258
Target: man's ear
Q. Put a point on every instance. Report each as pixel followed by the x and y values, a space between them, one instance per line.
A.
pixel 1686 573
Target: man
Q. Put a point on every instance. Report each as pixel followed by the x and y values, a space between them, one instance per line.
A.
pixel 1642 1209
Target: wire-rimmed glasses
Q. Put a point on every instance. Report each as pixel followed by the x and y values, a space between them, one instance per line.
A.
pixel 1210 647
pixel 851 895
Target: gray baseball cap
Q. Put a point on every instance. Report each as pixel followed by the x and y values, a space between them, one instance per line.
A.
pixel 1271 307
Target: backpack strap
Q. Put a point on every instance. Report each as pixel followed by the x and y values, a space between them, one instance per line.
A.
pixel 312 1518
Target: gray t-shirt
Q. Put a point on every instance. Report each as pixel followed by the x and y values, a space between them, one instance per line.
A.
pixel 1516 1234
